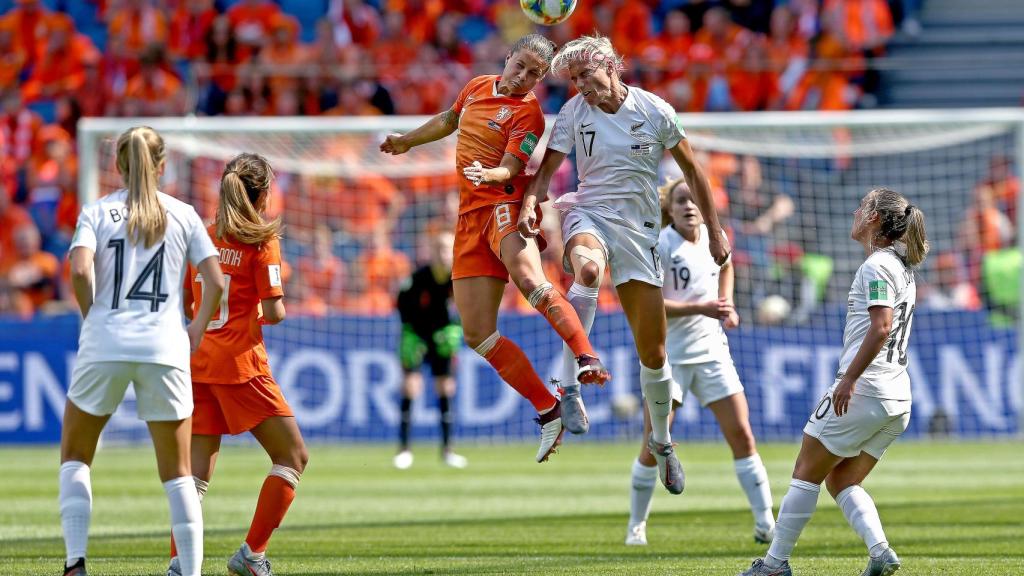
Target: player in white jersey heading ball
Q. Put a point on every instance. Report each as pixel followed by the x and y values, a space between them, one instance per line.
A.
pixel 868 406
pixel 620 134
pixel 128 261
pixel 698 301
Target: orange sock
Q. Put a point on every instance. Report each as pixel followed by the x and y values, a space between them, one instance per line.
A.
pixel 174 547
pixel 514 368
pixel 275 498
pixel 563 318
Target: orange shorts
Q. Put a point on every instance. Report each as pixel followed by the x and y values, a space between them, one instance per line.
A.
pixel 478 237
pixel 236 408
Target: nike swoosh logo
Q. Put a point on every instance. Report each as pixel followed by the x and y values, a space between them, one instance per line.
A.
pixel 585 125
pixel 661 403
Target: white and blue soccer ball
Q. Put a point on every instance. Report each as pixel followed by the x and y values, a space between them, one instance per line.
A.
pixel 547 12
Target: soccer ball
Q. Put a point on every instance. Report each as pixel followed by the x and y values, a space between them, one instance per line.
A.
pixel 547 12
pixel 625 406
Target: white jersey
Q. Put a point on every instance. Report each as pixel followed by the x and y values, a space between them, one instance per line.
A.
pixel 882 280
pixel 617 155
pixel 691 275
pixel 137 313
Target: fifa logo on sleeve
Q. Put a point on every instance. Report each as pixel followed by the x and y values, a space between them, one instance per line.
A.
pixel 878 290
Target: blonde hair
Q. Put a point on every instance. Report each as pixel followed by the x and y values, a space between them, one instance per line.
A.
pixel 665 198
pixel 140 156
pixel 900 222
pixel 596 51
pixel 246 179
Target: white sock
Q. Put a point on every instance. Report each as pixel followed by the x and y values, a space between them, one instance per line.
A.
pixel 644 479
pixel 75 508
pixel 754 480
pixel 860 512
pixel 186 523
pixel 796 511
pixel 656 384
pixel 584 302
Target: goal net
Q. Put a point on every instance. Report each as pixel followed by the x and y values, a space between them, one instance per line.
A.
pixel 358 221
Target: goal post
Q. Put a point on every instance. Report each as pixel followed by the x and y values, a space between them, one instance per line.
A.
pixel 786 183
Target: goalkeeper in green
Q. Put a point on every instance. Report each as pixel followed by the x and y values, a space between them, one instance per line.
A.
pixel 429 336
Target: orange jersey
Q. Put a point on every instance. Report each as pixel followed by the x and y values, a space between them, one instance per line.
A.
pixel 490 126
pixel 232 351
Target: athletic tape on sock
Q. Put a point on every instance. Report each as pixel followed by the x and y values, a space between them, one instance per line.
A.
pixel 289 475
pixel 487 345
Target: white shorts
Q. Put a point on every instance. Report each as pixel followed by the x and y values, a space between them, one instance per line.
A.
pixel 708 381
pixel 869 425
pixel 161 392
pixel 629 245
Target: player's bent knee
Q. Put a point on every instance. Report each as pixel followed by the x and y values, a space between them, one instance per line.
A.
pixel 588 265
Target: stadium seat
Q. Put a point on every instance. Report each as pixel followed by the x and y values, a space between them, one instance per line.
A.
pixel 307 12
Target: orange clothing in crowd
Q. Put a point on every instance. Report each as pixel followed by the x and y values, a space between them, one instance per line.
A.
pixel 186 35
pixel 31 26
pixel 161 87
pixel 139 27
pixel 12 218
pixel 232 352
pixel 490 126
pixel 384 268
pixel 12 57
pixel 35 276
pixel 252 22
pixel 60 71
pixel 632 29
pixel 19 135
pixel 866 24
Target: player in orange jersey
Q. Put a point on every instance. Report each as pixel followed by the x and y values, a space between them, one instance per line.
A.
pixel 231 380
pixel 500 122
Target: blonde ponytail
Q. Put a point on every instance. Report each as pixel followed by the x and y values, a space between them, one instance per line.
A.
pixel 245 181
pixel 140 155
pixel 915 237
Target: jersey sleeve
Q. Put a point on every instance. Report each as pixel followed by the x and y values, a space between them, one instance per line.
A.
pixel 670 130
pixel 878 285
pixel 460 101
pixel 525 133
pixel 267 272
pixel 85 230
pixel 200 246
pixel 562 137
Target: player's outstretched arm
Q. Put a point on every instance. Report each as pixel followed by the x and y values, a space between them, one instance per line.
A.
pixel 436 128
pixel 82 277
pixel 537 192
pixel 213 288
pixel 698 182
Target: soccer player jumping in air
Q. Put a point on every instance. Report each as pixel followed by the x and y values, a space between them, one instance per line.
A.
pixel 620 134
pixel 500 122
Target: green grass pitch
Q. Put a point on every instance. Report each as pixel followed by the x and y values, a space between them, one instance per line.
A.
pixel 948 508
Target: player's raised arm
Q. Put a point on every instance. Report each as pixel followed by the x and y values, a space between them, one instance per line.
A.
pixel 698 182
pixel 438 127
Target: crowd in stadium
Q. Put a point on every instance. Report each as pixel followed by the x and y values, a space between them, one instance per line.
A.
pixel 64 59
